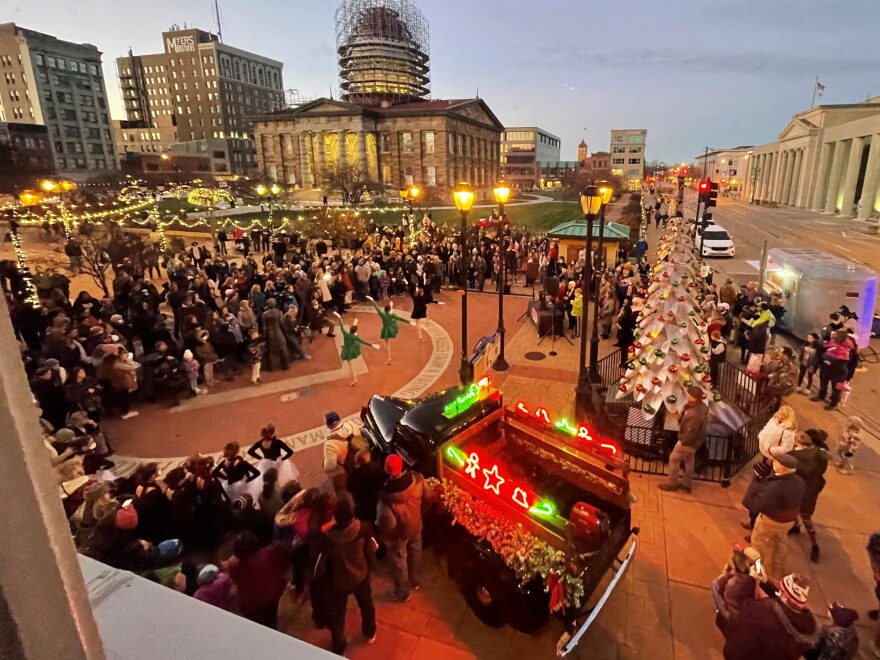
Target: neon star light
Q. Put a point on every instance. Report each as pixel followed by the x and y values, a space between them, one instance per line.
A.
pixel 564 426
pixel 491 477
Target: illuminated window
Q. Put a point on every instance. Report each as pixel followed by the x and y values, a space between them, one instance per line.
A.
pixel 406 142
pixel 429 144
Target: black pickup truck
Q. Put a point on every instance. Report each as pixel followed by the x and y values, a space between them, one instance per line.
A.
pixel 550 480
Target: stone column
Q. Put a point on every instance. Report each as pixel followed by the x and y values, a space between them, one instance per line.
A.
pixel 851 177
pixel 343 160
pixel 837 165
pixel 305 159
pixel 320 158
pixel 362 150
pixel 759 180
pixel 871 185
pixel 787 175
pixel 797 175
pixel 818 201
pixel 771 173
pixel 44 606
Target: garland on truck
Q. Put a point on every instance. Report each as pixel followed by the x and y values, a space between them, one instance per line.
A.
pixel 520 550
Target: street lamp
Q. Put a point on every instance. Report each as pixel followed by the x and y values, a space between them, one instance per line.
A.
pixel 605 191
pixel 463 194
pixel 62 188
pixel 591 202
pixel 502 194
pixel 271 192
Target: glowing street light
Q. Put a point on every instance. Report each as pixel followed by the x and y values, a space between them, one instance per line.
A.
pixel 463 195
pixel 501 191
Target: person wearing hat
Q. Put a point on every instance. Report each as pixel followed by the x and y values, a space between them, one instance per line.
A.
pixel 737 585
pixel 215 588
pixel 839 640
pixel 780 627
pixel 348 546
pixel 782 373
pixel 339 449
pixel 399 520
pixel 776 501
pixel 717 355
pixel 691 434
pixel 811 452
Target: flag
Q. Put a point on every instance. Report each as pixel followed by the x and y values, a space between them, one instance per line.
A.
pixel 820 87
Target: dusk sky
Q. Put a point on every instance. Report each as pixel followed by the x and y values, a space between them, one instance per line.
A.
pixel 693 73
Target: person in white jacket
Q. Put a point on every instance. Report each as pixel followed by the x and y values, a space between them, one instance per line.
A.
pixel 780 431
pixel 338 449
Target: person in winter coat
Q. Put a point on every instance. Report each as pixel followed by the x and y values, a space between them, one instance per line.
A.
pixel 757 337
pixel 737 585
pixel 606 314
pixel 781 627
pixel 779 431
pixel 717 355
pixel 782 375
pixel 839 641
pixel 255 352
pixel 347 559
pixel 691 434
pixel 276 343
pixel 775 500
pixel 338 450
pixel 576 313
pixel 260 575
pixel 399 520
pixel 833 361
pixel 365 482
pixel 806 363
pixel 215 588
pixel 207 356
pixel 811 453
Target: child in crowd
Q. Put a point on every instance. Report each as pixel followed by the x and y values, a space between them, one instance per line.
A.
pixel 191 369
pixel 807 368
pixel 256 351
pixel 848 443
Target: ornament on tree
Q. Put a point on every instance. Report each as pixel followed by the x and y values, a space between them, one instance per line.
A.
pixel 716 396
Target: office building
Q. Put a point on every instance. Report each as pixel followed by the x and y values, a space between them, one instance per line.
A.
pixel 430 143
pixel 628 156
pixel 59 84
pixel 826 159
pixel 523 150
pixel 727 167
pixel 197 90
pixel 30 147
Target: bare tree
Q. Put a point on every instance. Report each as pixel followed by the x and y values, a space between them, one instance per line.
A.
pixel 350 181
pixel 95 262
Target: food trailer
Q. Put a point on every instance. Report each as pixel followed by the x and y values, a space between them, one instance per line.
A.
pixel 812 284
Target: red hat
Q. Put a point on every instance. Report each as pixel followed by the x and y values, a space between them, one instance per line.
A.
pixel 393 465
pixel 126 518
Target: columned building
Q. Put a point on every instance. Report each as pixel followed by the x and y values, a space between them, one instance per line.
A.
pixel 827 159
pixel 430 143
pixel 727 167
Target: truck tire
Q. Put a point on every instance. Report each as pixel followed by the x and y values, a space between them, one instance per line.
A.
pixel 485 595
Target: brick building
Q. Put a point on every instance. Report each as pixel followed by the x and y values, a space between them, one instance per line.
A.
pixel 31 149
pixel 431 143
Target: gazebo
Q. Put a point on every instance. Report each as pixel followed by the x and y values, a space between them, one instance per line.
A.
pixel 572 234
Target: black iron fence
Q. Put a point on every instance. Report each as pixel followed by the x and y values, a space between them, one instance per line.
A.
pixel 648 443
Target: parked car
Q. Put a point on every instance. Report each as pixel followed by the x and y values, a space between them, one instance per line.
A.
pixel 716 242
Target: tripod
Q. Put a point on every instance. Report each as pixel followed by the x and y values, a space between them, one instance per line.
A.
pixel 552 332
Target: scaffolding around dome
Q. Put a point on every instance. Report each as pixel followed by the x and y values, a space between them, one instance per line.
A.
pixel 383 50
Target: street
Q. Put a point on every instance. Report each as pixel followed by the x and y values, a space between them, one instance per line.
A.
pixel 750 225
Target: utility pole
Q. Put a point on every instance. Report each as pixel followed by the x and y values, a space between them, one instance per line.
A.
pixel 705 162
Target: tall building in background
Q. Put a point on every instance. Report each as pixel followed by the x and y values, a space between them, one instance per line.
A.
pixel 59 84
pixel 524 150
pixel 628 155
pixel 199 96
pixel 383 52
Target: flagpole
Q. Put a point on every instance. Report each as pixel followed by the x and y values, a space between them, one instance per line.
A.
pixel 815 87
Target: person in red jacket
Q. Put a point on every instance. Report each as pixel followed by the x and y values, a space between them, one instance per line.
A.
pixel 260 576
pixel 781 627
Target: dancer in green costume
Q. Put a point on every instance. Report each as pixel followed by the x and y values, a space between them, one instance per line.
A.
pixel 389 324
pixel 351 346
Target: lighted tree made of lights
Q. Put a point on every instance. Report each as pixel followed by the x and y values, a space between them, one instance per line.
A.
pixel 671 347
pixel 208 199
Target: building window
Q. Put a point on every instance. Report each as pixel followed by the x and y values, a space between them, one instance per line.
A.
pixel 406 143
pixel 451 146
pixel 51 61
pixel 618 161
pixel 429 145
pixel 431 175
pixel 408 176
pixel 635 161
pixel 618 150
pixel 635 150
pixel 385 142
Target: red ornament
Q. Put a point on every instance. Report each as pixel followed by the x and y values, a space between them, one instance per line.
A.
pixel 669 313
pixel 686 357
pixel 640 387
pixel 673 368
pixel 655 380
pixel 681 299
pixel 638 344
pixel 622 388
pixel 699 342
pixel 707 378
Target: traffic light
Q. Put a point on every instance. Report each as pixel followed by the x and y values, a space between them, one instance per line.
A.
pixel 712 194
pixel 703 188
pixel 707 219
pixel 683 172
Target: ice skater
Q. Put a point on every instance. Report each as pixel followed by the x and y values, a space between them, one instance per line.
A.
pixel 351 346
pixel 389 324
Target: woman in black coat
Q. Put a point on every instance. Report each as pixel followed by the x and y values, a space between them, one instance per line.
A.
pixel 626 324
pixel 811 453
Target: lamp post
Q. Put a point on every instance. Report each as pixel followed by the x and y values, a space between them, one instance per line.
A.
pixel 463 194
pixel 62 187
pixel 502 194
pixel 605 191
pixel 590 203
pixel 271 192
pixel 409 195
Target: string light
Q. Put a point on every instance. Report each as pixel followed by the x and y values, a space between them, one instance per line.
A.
pixel 31 297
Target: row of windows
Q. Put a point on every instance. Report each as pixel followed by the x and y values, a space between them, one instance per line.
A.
pixel 80 164
pixel 546 139
pixel 65 65
pixel 519 136
pixel 630 161
pixel 6 60
pixel 623 150
pixel 29 142
pixel 19 113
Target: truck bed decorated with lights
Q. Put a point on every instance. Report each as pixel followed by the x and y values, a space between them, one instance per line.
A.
pixel 534 511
